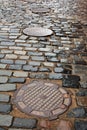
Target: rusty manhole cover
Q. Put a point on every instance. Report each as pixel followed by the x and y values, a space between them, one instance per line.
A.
pixel 40 10
pixel 37 31
pixel 42 99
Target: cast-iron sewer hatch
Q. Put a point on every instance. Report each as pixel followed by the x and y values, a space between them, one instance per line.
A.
pixel 43 99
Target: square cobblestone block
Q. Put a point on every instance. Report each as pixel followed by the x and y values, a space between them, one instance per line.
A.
pixel 16 80
pixel 15 67
pixel 2 66
pixel 55 76
pixel 20 74
pixel 24 123
pixel 5 108
pixel 4 98
pixel 3 79
pixel 5 120
pixel 5 72
pixel 7 87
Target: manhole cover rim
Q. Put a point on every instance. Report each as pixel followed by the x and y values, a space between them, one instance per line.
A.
pixel 14 101
pixel 30 31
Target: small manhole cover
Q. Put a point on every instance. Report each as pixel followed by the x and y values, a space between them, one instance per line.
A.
pixel 40 10
pixel 42 99
pixel 37 31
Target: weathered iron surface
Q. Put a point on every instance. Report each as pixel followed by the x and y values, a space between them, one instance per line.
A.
pixel 37 31
pixel 42 99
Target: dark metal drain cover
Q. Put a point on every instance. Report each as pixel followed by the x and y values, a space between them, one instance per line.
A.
pixel 37 31
pixel 40 10
pixel 42 99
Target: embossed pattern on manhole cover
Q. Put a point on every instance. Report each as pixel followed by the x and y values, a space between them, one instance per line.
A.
pixel 40 10
pixel 42 99
pixel 37 31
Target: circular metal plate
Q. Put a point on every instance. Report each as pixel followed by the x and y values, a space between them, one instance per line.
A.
pixel 40 10
pixel 42 99
pixel 37 31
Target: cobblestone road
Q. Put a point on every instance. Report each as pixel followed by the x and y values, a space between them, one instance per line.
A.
pixel 59 58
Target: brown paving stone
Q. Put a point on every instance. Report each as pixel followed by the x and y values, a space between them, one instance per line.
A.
pixel 82 101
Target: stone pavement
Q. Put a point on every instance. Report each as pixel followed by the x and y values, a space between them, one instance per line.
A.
pixel 60 58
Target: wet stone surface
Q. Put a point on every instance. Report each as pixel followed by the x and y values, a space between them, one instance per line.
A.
pixel 60 57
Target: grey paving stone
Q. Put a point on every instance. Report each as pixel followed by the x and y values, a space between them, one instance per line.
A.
pixel 15 67
pixel 7 87
pixel 82 92
pixel 20 74
pixel 11 56
pixel 80 125
pixel 35 53
pixel 34 63
pixel 20 52
pixel 38 58
pixel 55 76
pixel 5 108
pixel 7 61
pixel 2 56
pixel 5 120
pixel 4 98
pixel 16 80
pixel 2 66
pixel 43 69
pixel 50 54
pixel 3 79
pixel 71 81
pixel 20 62
pixel 58 69
pixel 78 112
pixel 5 51
pixel 53 59
pixel 38 75
pixel 45 49
pixel 24 123
pixel 5 72
pixel 9 43
pixel 30 68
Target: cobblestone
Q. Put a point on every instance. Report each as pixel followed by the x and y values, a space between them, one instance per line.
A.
pixel 20 74
pixel 7 87
pixel 5 120
pixel 30 68
pixel 38 58
pixel 2 66
pixel 5 72
pixel 80 124
pixel 55 76
pixel 5 108
pixel 78 112
pixel 20 62
pixel 15 67
pixel 11 56
pixel 25 123
pixel 16 80
pixel 4 98
pixel 3 79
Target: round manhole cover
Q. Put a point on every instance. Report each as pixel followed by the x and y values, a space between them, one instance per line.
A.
pixel 40 10
pixel 42 99
pixel 37 31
